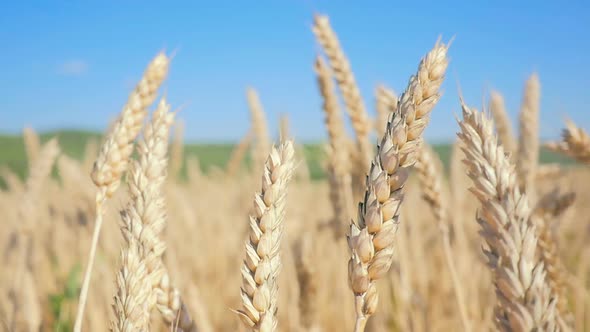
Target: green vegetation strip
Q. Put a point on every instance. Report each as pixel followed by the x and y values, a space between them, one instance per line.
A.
pixel 73 143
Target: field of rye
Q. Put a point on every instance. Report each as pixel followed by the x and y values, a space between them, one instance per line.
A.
pixel 389 240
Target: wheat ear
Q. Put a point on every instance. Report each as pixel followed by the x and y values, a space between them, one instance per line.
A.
pixel 114 155
pixel 428 167
pixel 262 262
pixel 25 304
pixel 386 102
pixel 338 157
pixel 370 240
pixel 575 143
pixel 524 301
pixel 261 143
pixel 528 145
pixel 350 93
pixel 502 121
pixel 143 221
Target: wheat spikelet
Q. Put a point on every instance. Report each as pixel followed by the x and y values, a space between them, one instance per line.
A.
pixel 262 263
pixel 350 92
pixel 32 145
pixel 502 121
pixel 147 177
pixel 338 158
pixel 261 143
pixel 371 238
pixel 386 101
pixel 528 144
pixel 143 221
pixel 428 168
pixel 575 143
pixel 131 305
pixel 114 154
pixel 237 155
pixel 524 302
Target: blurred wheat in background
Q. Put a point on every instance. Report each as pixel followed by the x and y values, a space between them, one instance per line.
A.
pixel 136 237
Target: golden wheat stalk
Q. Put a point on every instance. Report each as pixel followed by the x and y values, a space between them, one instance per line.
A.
pixel 261 143
pixel 114 155
pixel 262 263
pixel 524 299
pixel 575 143
pixel 502 121
pixel 24 304
pixel 371 238
pixel 338 158
pixel 355 107
pixel 528 146
pixel 143 221
pixel 32 145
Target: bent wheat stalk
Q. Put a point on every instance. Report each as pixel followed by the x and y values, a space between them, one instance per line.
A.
pixel 114 155
pixel 262 263
pixel 524 299
pixel 575 143
pixel 371 238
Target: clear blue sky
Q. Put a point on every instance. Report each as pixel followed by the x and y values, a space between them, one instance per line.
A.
pixel 66 65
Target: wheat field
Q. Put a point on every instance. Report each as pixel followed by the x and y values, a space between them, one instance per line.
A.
pixel 390 240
